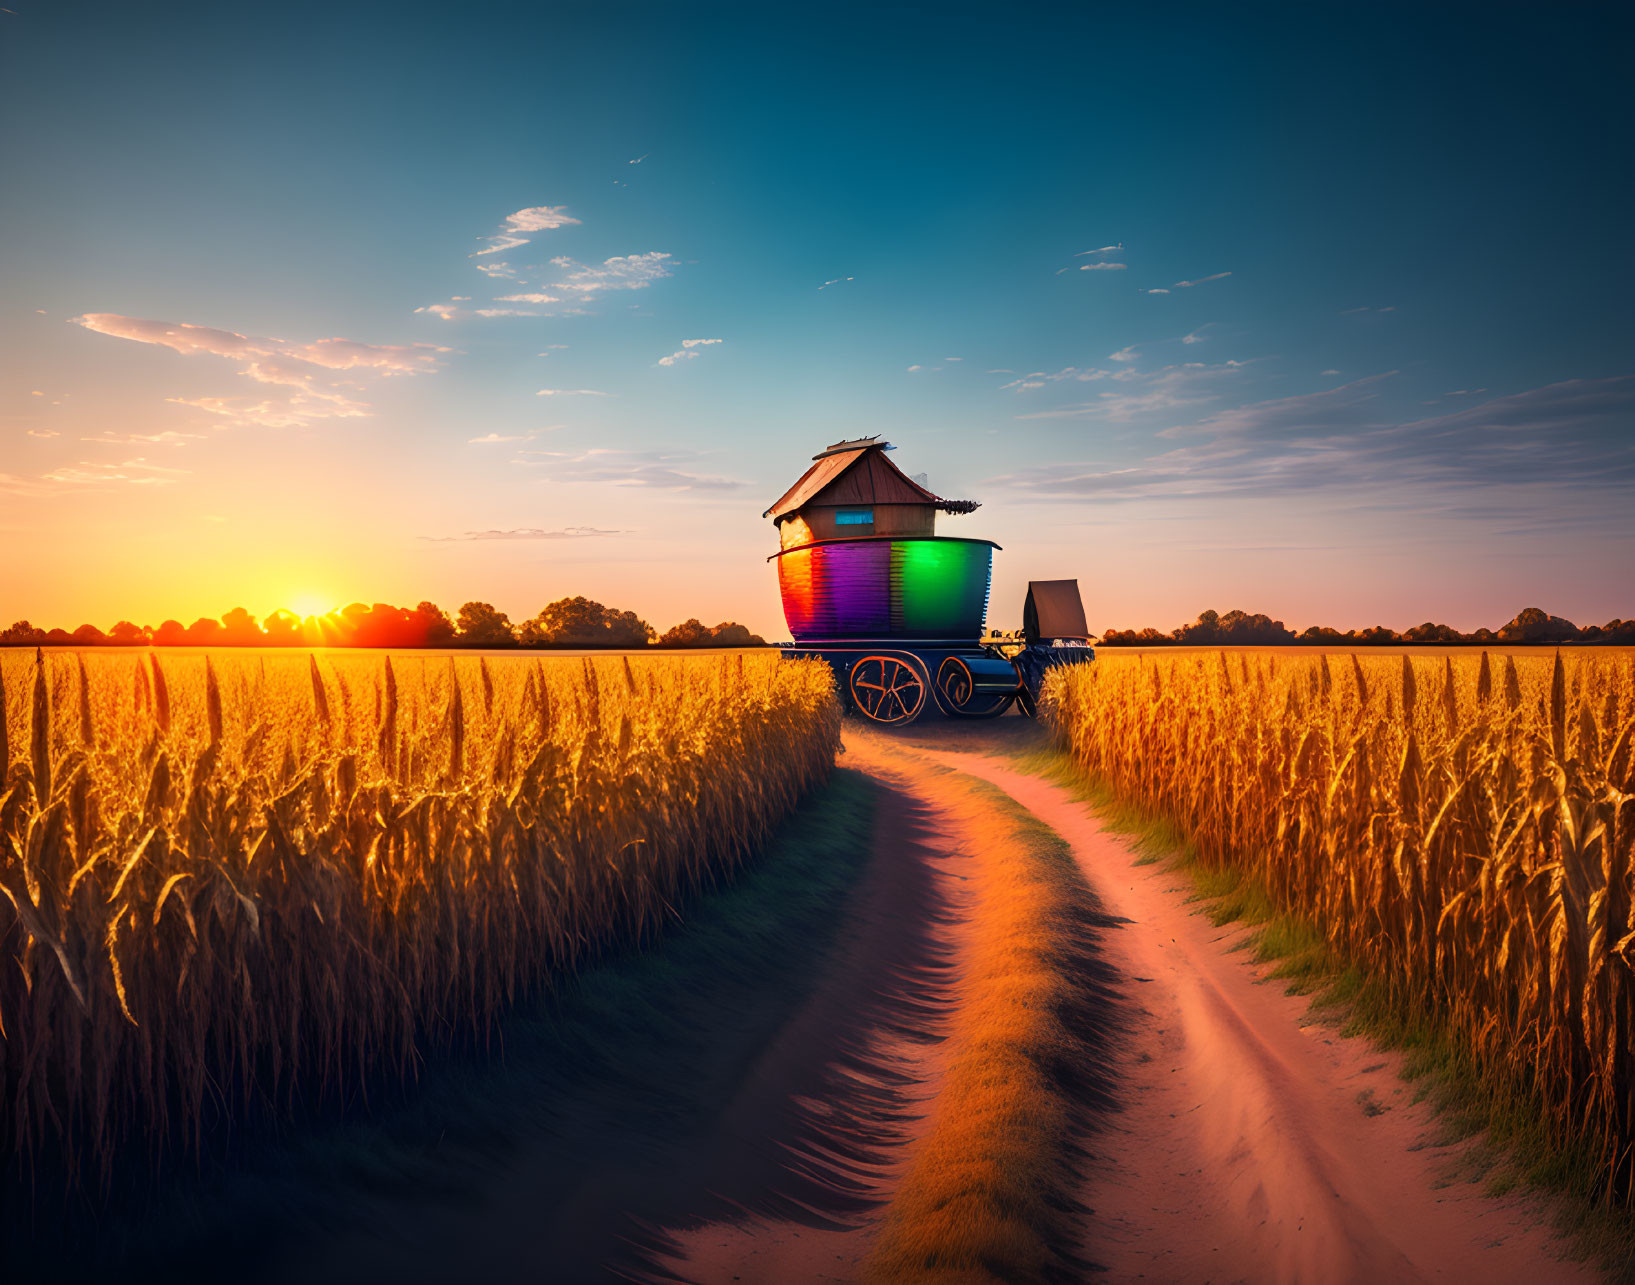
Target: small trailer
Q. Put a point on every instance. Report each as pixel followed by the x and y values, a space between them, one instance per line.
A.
pixel 897 610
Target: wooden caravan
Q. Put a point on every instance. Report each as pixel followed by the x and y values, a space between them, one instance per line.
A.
pixel 859 555
pixel 896 610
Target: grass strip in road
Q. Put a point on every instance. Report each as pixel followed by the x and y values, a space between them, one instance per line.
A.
pixel 988 1195
pixel 1521 1145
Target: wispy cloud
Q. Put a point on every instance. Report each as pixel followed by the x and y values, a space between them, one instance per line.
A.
pixel 1186 285
pixel 837 281
pixel 297 412
pixel 1355 312
pixel 499 437
pixel 330 354
pixel 1572 434
pixel 639 159
pixel 1140 393
pixel 1103 267
pixel 308 367
pixel 689 348
pixel 526 533
pixel 451 311
pixel 1156 290
pixel 519 227
pixel 1124 354
pixel 136 472
pixel 653 470
pixel 572 392
pixel 43 432
pixel 622 272
pixel 1106 249
pixel 1039 378
pixel 168 438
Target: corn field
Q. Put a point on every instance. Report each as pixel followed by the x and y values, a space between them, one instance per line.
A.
pixel 233 883
pixel 1462 829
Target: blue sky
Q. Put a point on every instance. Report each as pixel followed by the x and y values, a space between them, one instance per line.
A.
pixel 1318 311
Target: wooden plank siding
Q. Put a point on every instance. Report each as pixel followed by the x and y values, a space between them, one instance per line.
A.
pixel 817 522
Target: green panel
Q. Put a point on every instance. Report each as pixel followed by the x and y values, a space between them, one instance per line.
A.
pixel 942 586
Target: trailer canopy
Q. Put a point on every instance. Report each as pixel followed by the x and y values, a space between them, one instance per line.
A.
pixel 1053 610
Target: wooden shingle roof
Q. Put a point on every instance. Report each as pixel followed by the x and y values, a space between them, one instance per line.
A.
pixel 858 473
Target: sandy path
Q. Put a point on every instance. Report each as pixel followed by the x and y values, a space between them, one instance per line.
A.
pixel 873 1092
pixel 782 1167
pixel 1255 1145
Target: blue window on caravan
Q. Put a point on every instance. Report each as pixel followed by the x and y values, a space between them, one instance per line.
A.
pixel 854 517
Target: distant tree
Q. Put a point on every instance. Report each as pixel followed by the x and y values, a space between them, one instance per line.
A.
pixel 693 633
pixel 89 636
pixel 206 631
pixel 125 634
pixel 1243 629
pixel 729 633
pixel 1429 634
pixel 1207 628
pixel 170 634
pixel 239 629
pixel 689 633
pixel 438 629
pixel 1378 636
pixel 580 622
pixel 22 634
pixel 1322 635
pixel 482 626
pixel 1148 637
pixel 1535 625
pixel 281 629
pixel 58 638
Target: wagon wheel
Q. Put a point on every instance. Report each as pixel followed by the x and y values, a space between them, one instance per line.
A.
pixel 886 690
pixel 956 697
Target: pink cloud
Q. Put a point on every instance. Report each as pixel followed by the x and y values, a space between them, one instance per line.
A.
pixel 303 367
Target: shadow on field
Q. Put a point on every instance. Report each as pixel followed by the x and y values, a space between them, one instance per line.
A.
pixel 725 1073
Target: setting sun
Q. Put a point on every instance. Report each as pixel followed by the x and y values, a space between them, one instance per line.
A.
pixel 307 605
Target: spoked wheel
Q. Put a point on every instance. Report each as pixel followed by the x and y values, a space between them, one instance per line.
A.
pixel 886 689
pixel 957 695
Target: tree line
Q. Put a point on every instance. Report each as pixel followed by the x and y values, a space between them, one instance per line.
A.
pixel 1240 628
pixel 567 622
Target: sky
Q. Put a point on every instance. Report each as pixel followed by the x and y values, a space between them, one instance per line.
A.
pixel 1322 311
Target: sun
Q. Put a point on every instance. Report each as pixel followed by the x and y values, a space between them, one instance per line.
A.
pixel 309 604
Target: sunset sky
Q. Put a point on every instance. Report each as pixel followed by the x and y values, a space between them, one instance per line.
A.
pixel 1323 311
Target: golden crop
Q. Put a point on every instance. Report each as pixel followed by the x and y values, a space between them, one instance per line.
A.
pixel 1463 829
pixel 235 881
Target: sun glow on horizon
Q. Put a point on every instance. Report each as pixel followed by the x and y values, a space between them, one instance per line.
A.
pixel 308 605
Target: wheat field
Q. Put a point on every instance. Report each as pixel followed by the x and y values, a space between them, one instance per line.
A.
pixel 1462 829
pixel 240 884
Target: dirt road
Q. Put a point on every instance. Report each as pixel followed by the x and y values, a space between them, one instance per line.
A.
pixel 742 1102
pixel 1250 1143
pixel 1255 1144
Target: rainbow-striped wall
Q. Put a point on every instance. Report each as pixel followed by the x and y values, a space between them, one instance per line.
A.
pixel 911 588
